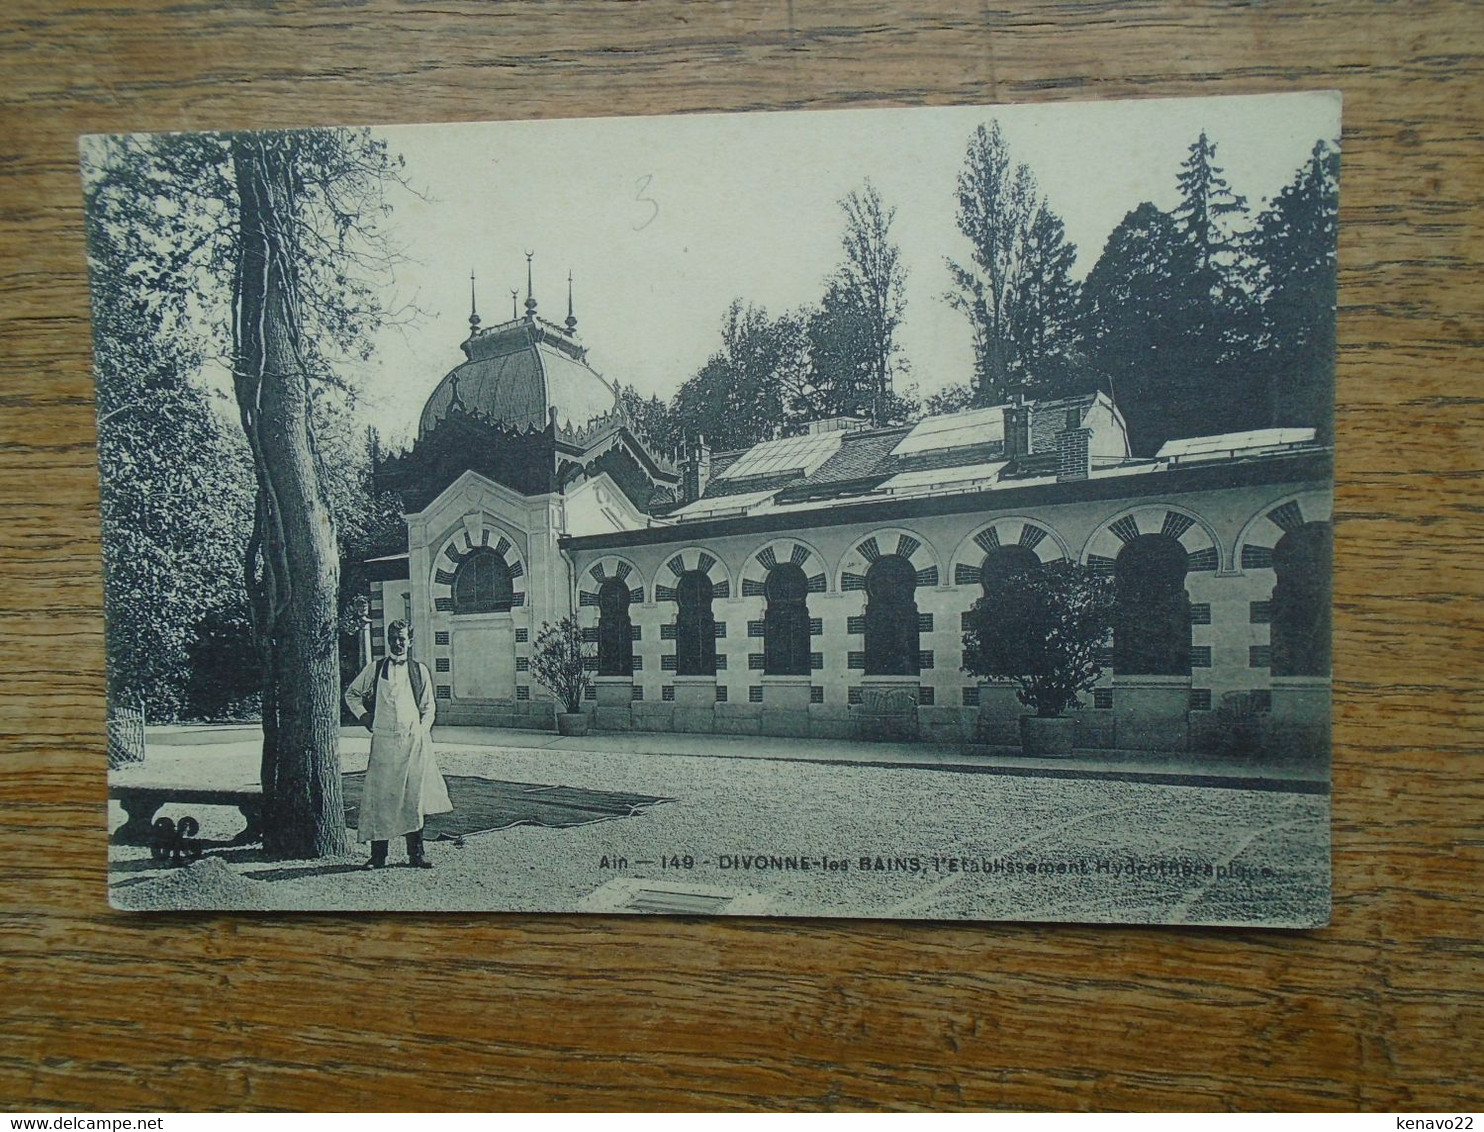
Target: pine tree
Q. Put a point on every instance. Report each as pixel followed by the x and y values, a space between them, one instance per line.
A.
pixel 1294 243
pixel 1129 320
pixel 1221 385
pixel 1206 203
pixel 1045 329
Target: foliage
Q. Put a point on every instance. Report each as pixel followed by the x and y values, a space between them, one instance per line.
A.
pixel 561 661
pixel 1016 288
pixel 738 397
pixel 773 375
pixel 222 678
pixel 868 294
pixel 839 380
pixel 176 496
pixel 1042 628
pixel 1129 321
pixel 653 419
pixel 1045 335
pixel 1294 246
pixel 1205 212
pixel 171 202
pixel 953 398
pixel 265 251
pixel 1169 317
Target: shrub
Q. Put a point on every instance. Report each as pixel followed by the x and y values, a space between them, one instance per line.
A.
pixel 1042 628
pixel 561 661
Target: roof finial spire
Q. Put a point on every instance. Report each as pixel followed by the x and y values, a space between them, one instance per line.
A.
pixel 473 309
pixel 571 318
pixel 530 298
pixel 515 302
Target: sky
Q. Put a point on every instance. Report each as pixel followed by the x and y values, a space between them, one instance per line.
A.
pixel 663 221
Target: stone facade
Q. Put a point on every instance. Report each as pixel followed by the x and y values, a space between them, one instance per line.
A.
pixel 907 517
pixel 1227 532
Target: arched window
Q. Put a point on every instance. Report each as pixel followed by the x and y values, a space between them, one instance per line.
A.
pixel 1301 608
pixel 482 584
pixel 695 628
pixel 1003 561
pixel 1151 620
pixel 891 618
pixel 786 622
pixel 615 630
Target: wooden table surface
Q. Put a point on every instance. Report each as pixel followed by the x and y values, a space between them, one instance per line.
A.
pixel 1382 1010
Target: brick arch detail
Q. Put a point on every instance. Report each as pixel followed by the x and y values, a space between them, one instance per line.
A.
pixel 1010 530
pixel 459 545
pixel 683 561
pixel 1188 527
pixel 592 577
pixel 755 567
pixel 1261 533
pixel 909 544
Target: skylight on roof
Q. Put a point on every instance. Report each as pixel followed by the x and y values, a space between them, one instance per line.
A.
pixel 954 430
pixel 955 479
pixel 708 506
pixel 1228 442
pixel 802 454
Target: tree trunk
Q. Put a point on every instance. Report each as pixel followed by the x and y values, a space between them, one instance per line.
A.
pixel 296 574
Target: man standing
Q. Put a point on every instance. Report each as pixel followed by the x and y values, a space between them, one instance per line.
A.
pixel 393 698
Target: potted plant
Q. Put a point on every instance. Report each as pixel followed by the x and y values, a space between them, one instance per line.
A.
pixel 1042 628
pixel 561 662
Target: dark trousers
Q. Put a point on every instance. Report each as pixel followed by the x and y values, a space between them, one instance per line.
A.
pixel 414 848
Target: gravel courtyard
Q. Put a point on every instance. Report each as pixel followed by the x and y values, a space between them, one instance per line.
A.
pixel 760 836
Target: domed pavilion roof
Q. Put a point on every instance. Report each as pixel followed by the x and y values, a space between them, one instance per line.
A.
pixel 518 372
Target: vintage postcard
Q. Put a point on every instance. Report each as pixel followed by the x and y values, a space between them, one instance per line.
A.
pixel 917 513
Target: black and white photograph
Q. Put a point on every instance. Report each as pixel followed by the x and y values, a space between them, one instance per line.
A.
pixel 892 513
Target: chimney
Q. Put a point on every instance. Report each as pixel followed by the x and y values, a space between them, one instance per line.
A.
pixel 1073 454
pixel 1017 429
pixel 695 471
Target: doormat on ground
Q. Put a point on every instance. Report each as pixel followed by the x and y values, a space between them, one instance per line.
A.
pixel 484 804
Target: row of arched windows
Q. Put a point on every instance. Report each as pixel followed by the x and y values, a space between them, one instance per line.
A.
pixel 1152 620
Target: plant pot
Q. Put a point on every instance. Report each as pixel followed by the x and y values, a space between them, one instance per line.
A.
pixel 571 723
pixel 1047 737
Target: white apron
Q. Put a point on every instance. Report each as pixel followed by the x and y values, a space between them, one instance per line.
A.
pixel 403 784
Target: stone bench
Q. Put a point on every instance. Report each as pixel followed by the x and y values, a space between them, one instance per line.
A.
pixel 141 803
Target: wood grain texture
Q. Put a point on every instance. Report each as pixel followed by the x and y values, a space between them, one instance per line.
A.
pixel 1382 1010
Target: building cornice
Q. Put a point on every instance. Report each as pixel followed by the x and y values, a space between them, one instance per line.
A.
pixel 1313 466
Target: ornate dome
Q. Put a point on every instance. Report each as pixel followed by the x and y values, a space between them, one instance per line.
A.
pixel 518 373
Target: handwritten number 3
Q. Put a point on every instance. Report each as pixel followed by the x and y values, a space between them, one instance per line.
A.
pixel 642 186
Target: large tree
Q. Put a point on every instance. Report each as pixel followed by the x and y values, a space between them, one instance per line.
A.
pixel 740 395
pixel 1207 213
pixel 1044 328
pixel 1129 322
pixel 873 284
pixel 1169 314
pixel 266 248
pixel 996 204
pixel 172 568
pixel 1016 287
pixel 1294 244
pixel 840 379
pixel 1222 386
